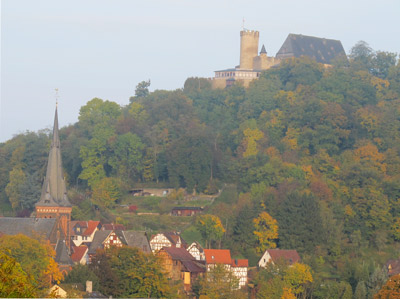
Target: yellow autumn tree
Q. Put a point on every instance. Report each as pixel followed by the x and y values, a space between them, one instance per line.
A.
pixel 251 136
pixel 210 227
pixel 297 276
pixel 266 231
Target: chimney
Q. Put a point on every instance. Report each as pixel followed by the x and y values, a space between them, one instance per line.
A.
pixel 89 286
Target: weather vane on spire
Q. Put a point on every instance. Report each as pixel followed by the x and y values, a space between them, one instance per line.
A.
pixel 243 24
pixel 56 89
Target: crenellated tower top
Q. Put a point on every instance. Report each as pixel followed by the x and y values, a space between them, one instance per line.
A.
pixel 248 48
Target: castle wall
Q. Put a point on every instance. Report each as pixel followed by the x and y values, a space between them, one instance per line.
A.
pixel 263 62
pixel 248 48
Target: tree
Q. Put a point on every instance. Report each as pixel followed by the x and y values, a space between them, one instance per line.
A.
pixel 13 188
pixel 142 89
pixel 218 283
pixel 210 227
pixel 300 223
pixel 127 157
pixel 391 289
pixel 266 231
pixel 34 257
pixel 128 272
pixel 278 280
pixel 106 192
pixel 81 273
pixel 14 282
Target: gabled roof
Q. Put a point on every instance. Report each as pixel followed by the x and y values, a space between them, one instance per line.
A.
pixel 129 238
pixel 240 263
pixel 28 226
pixel 62 254
pixel 135 239
pixel 78 252
pixel 54 192
pixel 321 49
pixel 91 227
pixel 194 266
pixel 98 239
pixel 197 245
pixel 290 256
pixel 218 256
pixel 178 254
pixel 174 237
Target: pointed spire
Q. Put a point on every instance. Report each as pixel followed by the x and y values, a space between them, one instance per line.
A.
pixel 54 192
pixel 263 51
pixel 56 139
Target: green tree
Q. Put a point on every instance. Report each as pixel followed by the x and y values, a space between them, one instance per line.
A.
pixel 142 89
pixel 106 192
pixel 128 272
pixel 14 187
pixel 80 274
pixel 127 157
pixel 218 283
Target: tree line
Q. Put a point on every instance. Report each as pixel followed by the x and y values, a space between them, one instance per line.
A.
pixel 316 148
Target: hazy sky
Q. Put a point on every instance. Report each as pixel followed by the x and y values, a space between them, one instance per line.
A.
pixel 103 48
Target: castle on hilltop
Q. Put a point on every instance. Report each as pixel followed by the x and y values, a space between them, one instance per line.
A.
pixel 253 63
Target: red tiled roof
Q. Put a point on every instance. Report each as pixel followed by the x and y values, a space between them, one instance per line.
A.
pixel 218 256
pixel 92 225
pixel 289 255
pixel 78 253
pixel 240 263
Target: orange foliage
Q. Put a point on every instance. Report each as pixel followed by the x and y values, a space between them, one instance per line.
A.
pixel 321 189
pixel 391 289
pixel 370 153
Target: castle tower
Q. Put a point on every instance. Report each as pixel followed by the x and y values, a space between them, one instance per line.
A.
pixel 53 201
pixel 248 48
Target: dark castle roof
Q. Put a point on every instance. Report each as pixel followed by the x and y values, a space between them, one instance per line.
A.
pixel 54 192
pixel 321 49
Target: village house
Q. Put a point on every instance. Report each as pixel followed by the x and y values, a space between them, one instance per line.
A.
pixel 83 231
pixel 186 211
pixel 181 265
pixel 80 254
pixel 103 239
pixel 167 239
pixel 223 257
pixel 197 251
pixel 279 255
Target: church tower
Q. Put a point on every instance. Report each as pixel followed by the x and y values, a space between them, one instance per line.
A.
pixel 53 201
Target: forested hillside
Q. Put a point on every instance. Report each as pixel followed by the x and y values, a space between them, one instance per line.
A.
pixel 317 148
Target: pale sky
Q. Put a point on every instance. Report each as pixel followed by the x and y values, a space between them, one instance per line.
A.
pixel 103 48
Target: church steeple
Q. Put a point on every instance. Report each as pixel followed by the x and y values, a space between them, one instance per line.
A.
pixel 54 201
pixel 54 192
